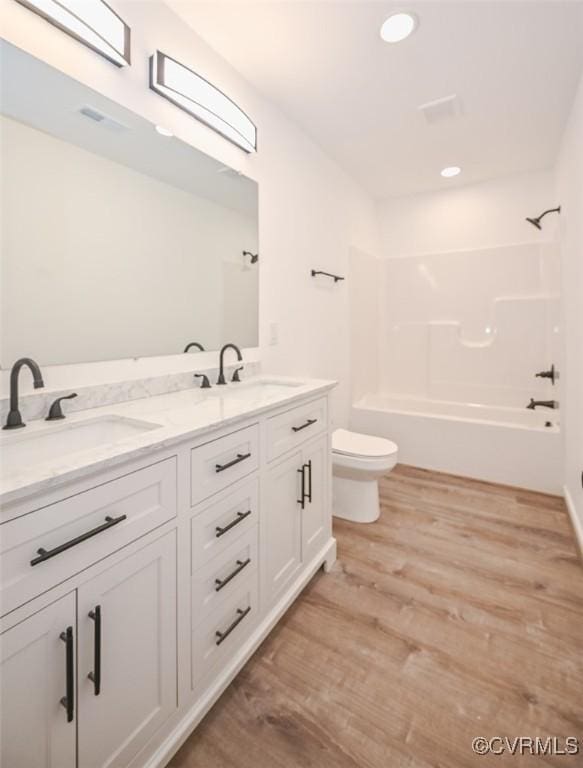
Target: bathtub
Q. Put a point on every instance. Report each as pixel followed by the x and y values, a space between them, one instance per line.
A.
pixel 514 446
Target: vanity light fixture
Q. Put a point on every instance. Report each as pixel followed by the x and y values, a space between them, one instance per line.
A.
pixel 199 98
pixel 451 171
pixel 163 131
pixel 92 22
pixel 398 27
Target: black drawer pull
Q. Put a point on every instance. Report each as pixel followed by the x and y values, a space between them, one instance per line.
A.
pixel 68 700
pixel 221 636
pixel 95 676
pixel 240 457
pixel 240 517
pixel 308 423
pixel 220 583
pixel 46 554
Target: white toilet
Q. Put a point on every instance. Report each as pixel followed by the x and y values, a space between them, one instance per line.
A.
pixel 357 463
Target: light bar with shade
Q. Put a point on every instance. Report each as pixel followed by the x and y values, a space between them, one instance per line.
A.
pixel 92 22
pixel 202 100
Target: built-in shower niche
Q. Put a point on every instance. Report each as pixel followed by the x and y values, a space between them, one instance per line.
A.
pixel 471 326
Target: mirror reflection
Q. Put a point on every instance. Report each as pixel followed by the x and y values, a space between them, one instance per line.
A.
pixel 117 241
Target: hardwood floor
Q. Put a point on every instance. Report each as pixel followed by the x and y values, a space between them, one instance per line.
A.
pixel 458 614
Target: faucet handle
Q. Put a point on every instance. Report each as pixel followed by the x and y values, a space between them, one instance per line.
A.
pixel 55 411
pixel 236 376
pixel 205 380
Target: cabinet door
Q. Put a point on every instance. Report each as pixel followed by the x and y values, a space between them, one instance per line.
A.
pixel 316 513
pixel 281 526
pixel 127 654
pixel 36 666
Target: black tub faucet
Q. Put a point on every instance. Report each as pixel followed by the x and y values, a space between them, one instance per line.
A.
pixel 221 379
pixel 14 419
pixel 544 403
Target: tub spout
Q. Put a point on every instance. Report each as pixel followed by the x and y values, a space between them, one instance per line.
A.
pixel 543 403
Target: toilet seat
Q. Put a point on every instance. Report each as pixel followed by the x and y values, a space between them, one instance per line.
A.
pixel 359 446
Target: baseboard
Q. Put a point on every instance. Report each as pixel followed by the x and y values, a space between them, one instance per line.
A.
pixel 190 720
pixel 575 520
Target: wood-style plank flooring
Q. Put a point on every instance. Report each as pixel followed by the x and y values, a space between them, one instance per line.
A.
pixel 458 614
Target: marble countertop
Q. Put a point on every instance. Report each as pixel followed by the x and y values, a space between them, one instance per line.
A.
pixel 175 417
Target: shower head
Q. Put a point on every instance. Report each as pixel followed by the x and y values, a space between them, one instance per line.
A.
pixel 254 257
pixel 536 221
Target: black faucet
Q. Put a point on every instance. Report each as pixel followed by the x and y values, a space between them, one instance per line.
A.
pixel 544 403
pixel 194 344
pixel 14 419
pixel 55 411
pixel 221 379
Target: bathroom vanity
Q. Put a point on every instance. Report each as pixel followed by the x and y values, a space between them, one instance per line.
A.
pixel 145 562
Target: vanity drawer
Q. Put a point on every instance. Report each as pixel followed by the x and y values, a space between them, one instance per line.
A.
pixel 215 465
pixel 80 530
pixel 291 428
pixel 216 581
pixel 218 526
pixel 222 633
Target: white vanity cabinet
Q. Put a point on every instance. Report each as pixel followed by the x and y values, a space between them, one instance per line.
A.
pixel 117 637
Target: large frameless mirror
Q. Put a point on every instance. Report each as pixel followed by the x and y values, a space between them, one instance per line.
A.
pixel 117 241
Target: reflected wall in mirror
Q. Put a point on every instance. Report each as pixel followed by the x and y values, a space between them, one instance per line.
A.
pixel 117 242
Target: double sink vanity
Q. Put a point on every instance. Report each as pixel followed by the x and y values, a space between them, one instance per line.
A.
pixel 147 548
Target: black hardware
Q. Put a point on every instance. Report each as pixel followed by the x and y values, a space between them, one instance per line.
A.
pixel 336 278
pixel 194 344
pixel 55 411
pixel 14 419
pixel 536 221
pixel 236 374
pixel 95 676
pixel 309 468
pixel 224 635
pixel 239 519
pixel 308 423
pixel 223 582
pixel 544 403
pixel 548 423
pixel 205 380
pixel 44 554
pixel 240 457
pixel 302 499
pixel 253 256
pixel 550 374
pixel 221 379
pixel 68 700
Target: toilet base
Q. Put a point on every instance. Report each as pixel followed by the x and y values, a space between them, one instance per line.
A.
pixel 356 500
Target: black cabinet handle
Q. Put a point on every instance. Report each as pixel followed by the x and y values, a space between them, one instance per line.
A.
pixel 68 700
pixel 222 636
pixel 240 457
pixel 220 583
pixel 95 676
pixel 302 499
pixel 240 517
pixel 44 554
pixel 308 423
pixel 308 466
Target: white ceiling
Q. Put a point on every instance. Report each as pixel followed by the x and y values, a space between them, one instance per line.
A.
pixel 513 65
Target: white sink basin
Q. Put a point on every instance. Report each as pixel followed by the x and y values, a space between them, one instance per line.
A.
pixel 264 389
pixel 51 443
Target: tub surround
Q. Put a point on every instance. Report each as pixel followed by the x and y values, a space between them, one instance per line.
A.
pixel 178 416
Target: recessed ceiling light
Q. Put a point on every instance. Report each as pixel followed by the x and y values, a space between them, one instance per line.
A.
pixel 398 26
pixel 163 131
pixel 451 170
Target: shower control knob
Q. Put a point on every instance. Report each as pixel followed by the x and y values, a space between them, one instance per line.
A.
pixel 551 374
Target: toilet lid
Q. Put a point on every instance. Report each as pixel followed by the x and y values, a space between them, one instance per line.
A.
pixel 355 444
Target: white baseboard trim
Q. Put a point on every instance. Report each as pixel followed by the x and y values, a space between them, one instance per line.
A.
pixel 575 519
pixel 194 715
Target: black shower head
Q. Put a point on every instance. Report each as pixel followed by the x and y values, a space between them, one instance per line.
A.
pixel 536 221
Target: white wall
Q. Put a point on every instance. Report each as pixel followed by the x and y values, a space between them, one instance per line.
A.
pixel 570 196
pixel 485 215
pixel 310 212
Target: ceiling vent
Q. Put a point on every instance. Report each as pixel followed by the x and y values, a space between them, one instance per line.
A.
pixel 447 108
pixel 99 117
